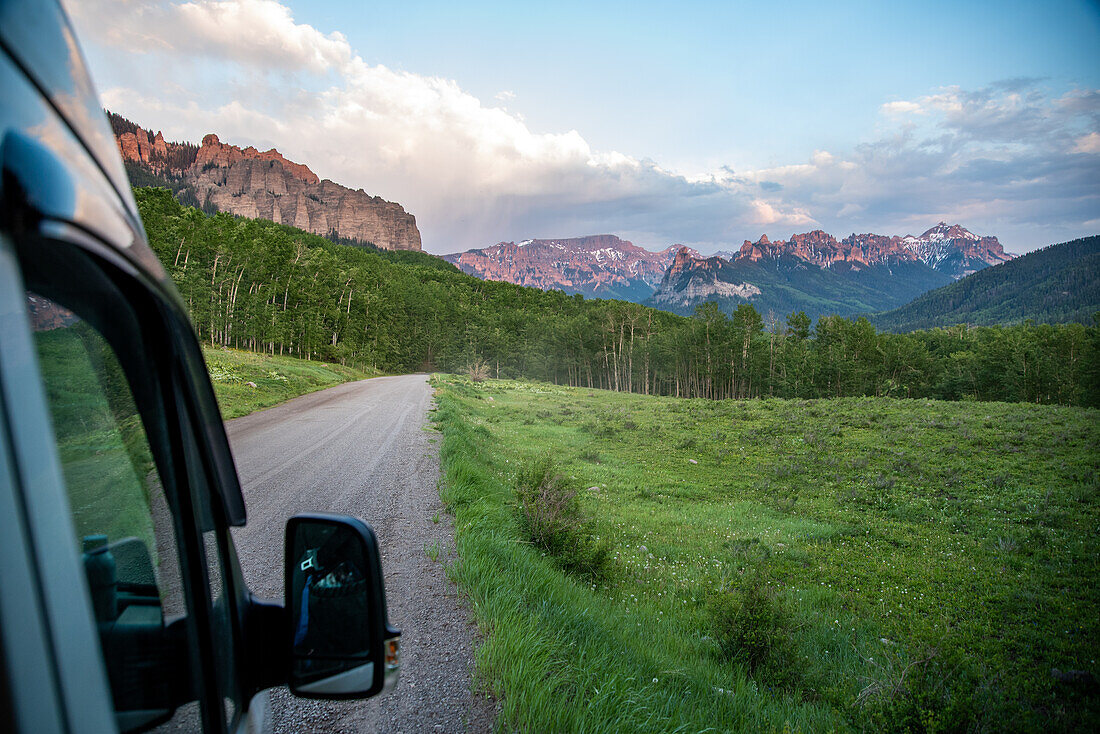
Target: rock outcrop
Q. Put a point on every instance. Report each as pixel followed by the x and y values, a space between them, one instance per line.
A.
pixel 602 266
pixel 265 185
pixel 691 279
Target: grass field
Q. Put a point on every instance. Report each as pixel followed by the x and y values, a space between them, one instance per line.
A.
pixel 274 379
pixel 776 565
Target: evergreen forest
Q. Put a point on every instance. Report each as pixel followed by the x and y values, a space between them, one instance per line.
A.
pixel 265 287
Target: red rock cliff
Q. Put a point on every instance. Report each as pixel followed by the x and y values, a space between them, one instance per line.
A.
pixel 265 185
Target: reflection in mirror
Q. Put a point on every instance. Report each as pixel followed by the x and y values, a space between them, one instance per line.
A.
pixel 351 681
pixel 337 607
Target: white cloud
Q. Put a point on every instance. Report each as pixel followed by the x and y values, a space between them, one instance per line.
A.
pixel 1087 143
pixel 256 31
pixel 765 213
pixel 506 95
pixel 901 108
pixel 259 32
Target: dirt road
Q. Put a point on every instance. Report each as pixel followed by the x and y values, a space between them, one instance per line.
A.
pixel 363 449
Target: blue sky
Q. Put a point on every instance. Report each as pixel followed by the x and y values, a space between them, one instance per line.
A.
pixel 692 84
pixel 701 123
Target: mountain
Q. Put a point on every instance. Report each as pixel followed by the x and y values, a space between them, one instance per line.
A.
pixel 816 273
pixel 1057 284
pixel 786 283
pixel 257 184
pixel 956 251
pixel 601 266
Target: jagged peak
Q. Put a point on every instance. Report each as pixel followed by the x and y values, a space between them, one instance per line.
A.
pixel 945 231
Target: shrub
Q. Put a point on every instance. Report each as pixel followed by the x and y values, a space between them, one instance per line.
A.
pixel 753 628
pixel 788 469
pixel 550 517
pixel 600 428
pixel 923 693
pixel 590 455
pixel 882 482
pixel 478 370
pixel 814 441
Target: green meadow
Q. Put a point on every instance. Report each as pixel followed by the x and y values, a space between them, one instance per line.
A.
pixel 658 564
pixel 246 381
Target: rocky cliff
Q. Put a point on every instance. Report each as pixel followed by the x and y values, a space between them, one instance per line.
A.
pixel 690 280
pixel 265 185
pixel 602 266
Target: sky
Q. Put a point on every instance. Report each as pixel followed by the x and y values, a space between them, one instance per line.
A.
pixel 697 123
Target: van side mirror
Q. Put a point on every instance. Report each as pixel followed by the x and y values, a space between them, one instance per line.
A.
pixel 341 643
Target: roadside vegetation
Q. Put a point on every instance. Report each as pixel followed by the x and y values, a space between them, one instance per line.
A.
pixel 656 564
pixel 245 381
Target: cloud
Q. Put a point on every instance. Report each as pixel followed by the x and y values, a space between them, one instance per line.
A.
pixel 256 31
pixel 768 214
pixel 1009 155
pixel 260 32
pixel 473 174
pixel 901 108
pixel 1087 143
pixel 1004 159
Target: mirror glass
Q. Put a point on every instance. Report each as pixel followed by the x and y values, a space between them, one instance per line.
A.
pixel 331 614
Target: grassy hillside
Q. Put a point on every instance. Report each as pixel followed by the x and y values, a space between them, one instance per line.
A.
pixel 1057 284
pixel 245 381
pixel 776 565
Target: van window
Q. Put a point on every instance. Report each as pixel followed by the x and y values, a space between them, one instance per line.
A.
pixel 124 528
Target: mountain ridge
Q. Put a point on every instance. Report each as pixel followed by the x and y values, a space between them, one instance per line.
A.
pixel 247 182
pixel 881 271
pixel 821 275
pixel 600 266
pixel 947 248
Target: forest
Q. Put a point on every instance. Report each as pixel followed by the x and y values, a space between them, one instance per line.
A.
pixel 257 285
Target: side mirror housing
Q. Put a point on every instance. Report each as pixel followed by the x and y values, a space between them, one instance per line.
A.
pixel 341 643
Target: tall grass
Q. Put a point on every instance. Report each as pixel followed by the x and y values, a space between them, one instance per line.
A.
pixel 561 653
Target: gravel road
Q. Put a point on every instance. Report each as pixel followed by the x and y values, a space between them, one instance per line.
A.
pixel 363 448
